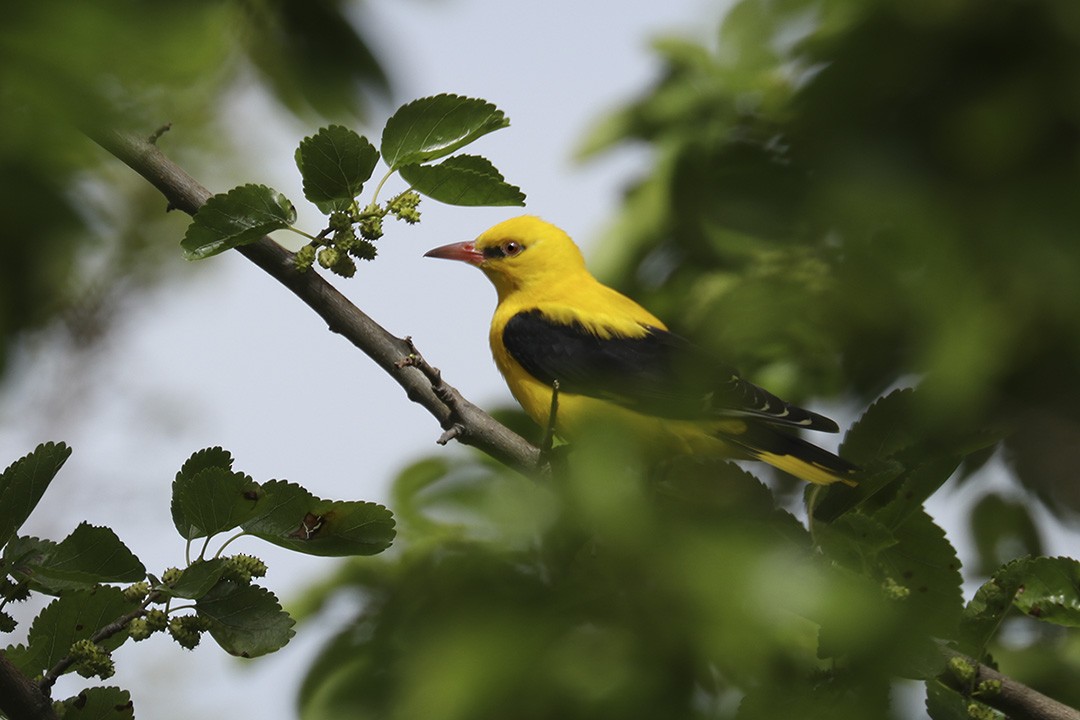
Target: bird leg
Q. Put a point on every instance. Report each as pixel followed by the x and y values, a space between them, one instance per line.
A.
pixel 549 431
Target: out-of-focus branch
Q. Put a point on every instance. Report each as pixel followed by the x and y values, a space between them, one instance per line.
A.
pixel 475 427
pixel 20 697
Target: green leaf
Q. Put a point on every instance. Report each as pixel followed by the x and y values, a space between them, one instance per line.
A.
pixel 76 615
pixel 434 127
pixel 207 457
pixel 238 217
pixel 467 180
pixel 100 703
pixel 212 500
pixel 1003 530
pixel 24 482
pixel 335 163
pixel 944 703
pixel 197 579
pixel 245 620
pixel 925 562
pixel 91 555
pixel 991 603
pixel 883 430
pixel 289 516
pixel 1049 590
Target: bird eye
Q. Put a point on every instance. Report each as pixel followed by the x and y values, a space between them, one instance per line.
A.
pixel 512 248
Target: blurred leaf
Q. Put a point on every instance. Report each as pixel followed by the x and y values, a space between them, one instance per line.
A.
pixel 291 517
pixel 335 163
pixel 212 500
pixel 313 56
pixel 433 127
pixel 245 620
pixel 99 703
pixel 24 482
pixel 238 217
pixel 944 703
pixel 1049 590
pixel 463 180
pixel 1003 530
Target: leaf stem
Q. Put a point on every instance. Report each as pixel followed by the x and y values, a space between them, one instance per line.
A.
pixel 228 542
pixel 379 187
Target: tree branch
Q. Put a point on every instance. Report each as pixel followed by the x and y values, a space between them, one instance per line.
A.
pixel 476 428
pixel 20 697
pixel 1016 700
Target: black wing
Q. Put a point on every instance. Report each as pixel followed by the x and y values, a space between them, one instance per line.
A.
pixel 659 373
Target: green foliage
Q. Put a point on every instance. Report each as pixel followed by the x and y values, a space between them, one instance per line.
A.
pixel 290 516
pixel 463 180
pixel 434 127
pixel 245 620
pixel 99 703
pixel 848 198
pixel 24 482
pixel 238 217
pixel 63 71
pixel 336 162
pixel 91 617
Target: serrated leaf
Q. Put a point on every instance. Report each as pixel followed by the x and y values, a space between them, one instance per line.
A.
pixel 1049 590
pixel 335 163
pixel 883 430
pixel 24 482
pixel 197 579
pixel 924 561
pixel 207 457
pixel 434 127
pixel 91 555
pixel 289 516
pixel 100 703
pixel 467 180
pixel 76 615
pixel 211 501
pixel 245 620
pixel 984 613
pixel 238 217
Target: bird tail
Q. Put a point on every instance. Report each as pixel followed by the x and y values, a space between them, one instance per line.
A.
pixel 791 454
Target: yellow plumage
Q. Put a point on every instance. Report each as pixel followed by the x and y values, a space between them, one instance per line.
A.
pixel 613 358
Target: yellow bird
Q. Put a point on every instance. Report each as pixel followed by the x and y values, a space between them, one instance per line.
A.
pixel 614 359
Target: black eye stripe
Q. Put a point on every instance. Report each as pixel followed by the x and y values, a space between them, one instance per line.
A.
pixel 494 252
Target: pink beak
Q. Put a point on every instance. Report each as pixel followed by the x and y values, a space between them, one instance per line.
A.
pixel 463 251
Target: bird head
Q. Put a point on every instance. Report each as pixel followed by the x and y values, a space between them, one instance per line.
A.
pixel 519 253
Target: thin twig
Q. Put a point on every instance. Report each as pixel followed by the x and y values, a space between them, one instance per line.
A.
pixel 106 632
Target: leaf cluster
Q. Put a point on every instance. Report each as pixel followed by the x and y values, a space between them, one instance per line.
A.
pixel 622 588
pixel 336 163
pixel 91 616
